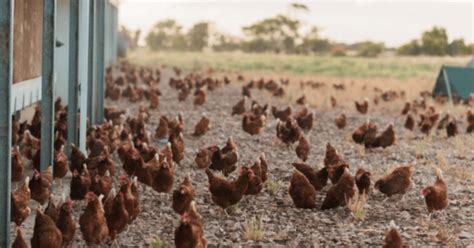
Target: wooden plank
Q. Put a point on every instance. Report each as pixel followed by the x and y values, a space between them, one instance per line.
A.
pixel 27 55
pixel 100 63
pixel 6 81
pixel 47 90
pixel 73 73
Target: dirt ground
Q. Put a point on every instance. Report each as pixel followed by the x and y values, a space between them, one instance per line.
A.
pixel 283 224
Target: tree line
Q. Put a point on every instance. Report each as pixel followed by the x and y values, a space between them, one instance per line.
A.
pixel 283 34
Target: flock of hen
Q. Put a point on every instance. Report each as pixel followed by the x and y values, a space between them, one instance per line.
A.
pixel 109 211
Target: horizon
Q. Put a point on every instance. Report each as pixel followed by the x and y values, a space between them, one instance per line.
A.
pixel 339 21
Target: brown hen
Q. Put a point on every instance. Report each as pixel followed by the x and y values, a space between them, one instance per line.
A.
pixel 20 198
pixel 301 191
pixel 341 121
pixel 318 179
pixel 436 195
pixel 202 126
pixel 340 193
pixel 226 193
pixel 183 196
pixel 303 148
pixel 190 232
pixel 45 232
pixel 92 222
pixel 397 182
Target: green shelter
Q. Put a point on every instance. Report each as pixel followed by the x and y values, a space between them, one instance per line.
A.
pixel 471 63
pixel 455 82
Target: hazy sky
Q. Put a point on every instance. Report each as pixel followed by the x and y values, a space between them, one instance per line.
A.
pixel 393 22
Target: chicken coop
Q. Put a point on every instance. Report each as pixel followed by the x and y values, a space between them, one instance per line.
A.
pixel 457 83
pixel 51 49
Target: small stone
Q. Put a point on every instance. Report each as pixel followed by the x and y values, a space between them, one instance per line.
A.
pixel 465 235
pixel 405 215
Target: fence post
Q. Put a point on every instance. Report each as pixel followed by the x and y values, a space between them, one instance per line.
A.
pixel 6 78
pixel 73 73
pixel 83 67
pixel 100 62
pixel 91 63
pixel 47 85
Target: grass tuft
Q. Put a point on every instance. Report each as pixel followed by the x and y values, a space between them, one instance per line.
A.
pixel 273 187
pixel 157 242
pixel 421 148
pixel 357 206
pixel 254 229
pixel 461 147
pixel 220 174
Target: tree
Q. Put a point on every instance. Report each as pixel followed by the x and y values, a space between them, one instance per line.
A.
pixel 458 47
pixel 226 43
pixel 338 51
pixel 370 49
pixel 299 6
pixel 132 37
pixel 412 48
pixel 313 44
pixel 277 32
pixel 435 41
pixel 257 45
pixel 166 35
pixel 198 36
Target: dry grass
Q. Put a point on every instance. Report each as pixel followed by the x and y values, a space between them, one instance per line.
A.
pixel 157 242
pixel 219 174
pixel 361 151
pixel 422 147
pixel 463 174
pixel 438 232
pixel 357 206
pixel 254 229
pixel 463 145
pixel 273 187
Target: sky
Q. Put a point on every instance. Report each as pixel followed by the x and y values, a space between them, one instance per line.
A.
pixel 393 22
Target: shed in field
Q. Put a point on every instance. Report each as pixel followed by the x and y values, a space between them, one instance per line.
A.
pixel 471 63
pixel 457 83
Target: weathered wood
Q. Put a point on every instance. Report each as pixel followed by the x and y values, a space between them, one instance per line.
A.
pixel 28 39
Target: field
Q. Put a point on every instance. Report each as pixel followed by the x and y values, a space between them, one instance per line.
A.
pixel 388 67
pixel 270 218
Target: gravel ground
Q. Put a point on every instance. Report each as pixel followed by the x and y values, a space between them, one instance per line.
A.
pixel 283 224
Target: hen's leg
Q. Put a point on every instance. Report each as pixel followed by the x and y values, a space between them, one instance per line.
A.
pixel 223 212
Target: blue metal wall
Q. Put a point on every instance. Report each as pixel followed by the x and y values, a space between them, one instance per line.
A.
pixel 65 73
pixel 62 53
